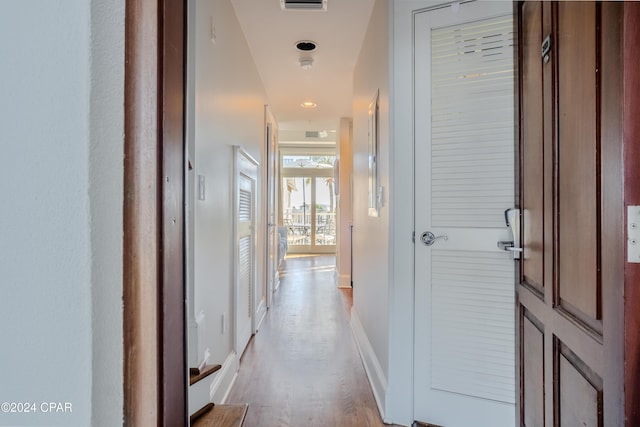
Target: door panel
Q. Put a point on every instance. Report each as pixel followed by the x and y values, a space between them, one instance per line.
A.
pixel 579 163
pixel 567 285
pixel 578 390
pixel 472 329
pixel 532 374
pixel 464 154
pixel 245 182
pixel 245 265
pixel 532 153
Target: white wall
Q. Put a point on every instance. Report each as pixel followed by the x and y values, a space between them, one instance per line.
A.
pixel 61 115
pixel 399 404
pixel 344 152
pixel 371 234
pixel 228 109
pixel 106 148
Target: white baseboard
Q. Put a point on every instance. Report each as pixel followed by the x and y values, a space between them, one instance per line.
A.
pixel 261 313
pixel 276 281
pixel 370 361
pixel 221 385
pixel 344 281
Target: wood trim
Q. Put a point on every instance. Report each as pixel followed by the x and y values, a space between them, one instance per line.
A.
pixel 155 370
pixel 172 333
pixel 141 215
pixel 612 216
pixel 631 82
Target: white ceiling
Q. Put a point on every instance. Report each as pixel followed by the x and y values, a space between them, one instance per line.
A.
pixel 272 34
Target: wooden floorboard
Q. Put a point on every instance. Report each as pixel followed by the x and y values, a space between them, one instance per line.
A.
pixel 197 375
pixel 303 367
pixel 222 416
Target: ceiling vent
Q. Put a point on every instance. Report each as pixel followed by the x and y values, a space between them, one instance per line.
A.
pixel 304 5
pixel 312 134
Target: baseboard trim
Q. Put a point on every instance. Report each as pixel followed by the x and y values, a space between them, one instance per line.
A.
pixel 344 281
pixel 372 367
pixel 276 282
pixel 221 385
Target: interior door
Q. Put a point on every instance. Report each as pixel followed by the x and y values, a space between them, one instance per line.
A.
pixel 569 284
pixel 464 153
pixel 246 175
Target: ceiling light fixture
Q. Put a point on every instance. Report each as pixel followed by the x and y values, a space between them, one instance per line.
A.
pixel 306 63
pixel 308 104
pixel 306 45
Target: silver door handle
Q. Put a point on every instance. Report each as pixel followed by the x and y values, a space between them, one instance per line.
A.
pixel 508 246
pixel 512 218
pixel 428 238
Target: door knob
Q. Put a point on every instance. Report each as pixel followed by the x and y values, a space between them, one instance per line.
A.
pixel 428 238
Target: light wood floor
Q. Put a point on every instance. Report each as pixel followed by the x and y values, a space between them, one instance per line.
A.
pixel 303 367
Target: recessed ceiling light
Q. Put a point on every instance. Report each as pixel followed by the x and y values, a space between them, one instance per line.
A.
pixel 306 45
pixel 308 104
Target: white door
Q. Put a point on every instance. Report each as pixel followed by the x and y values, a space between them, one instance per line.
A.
pixel 464 172
pixel 245 248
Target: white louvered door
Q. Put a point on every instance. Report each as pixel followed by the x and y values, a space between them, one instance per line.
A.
pixel 245 269
pixel 464 153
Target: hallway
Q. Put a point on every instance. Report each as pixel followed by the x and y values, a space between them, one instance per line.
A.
pixel 303 367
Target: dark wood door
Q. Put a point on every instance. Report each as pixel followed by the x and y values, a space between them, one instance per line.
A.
pixel 570 304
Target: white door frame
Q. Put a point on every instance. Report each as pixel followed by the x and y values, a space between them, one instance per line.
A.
pixel 310 173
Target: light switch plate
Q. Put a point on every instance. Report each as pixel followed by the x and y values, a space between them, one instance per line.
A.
pixel 633 234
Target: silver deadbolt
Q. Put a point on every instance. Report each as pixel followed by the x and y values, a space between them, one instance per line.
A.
pixel 428 238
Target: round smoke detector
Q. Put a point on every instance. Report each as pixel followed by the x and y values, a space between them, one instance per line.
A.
pixel 306 46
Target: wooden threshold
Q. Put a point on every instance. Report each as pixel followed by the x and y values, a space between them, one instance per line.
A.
pixel 196 375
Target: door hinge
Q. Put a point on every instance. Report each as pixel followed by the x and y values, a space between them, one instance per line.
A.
pixel 633 234
pixel 413 237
